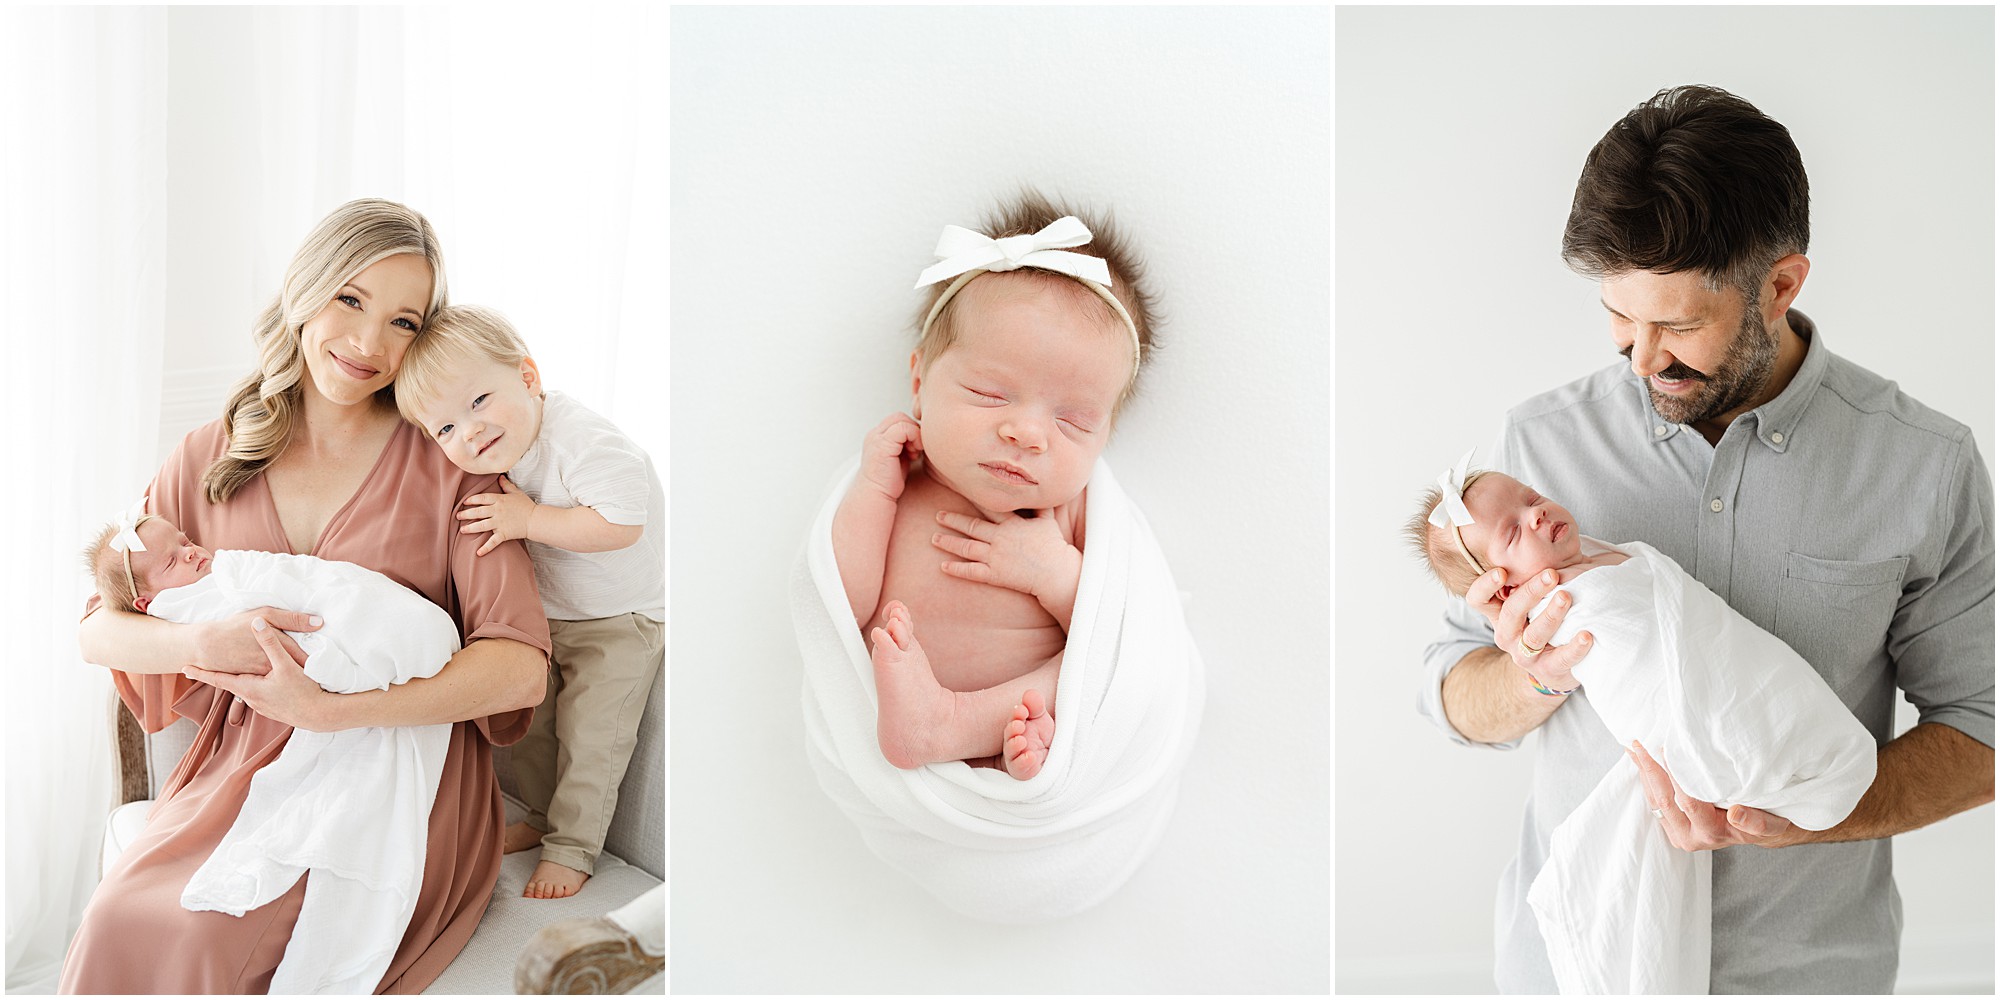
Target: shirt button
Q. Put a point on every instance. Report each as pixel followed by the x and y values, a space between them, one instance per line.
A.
pixel 1715 505
pixel 1660 431
pixel 1777 437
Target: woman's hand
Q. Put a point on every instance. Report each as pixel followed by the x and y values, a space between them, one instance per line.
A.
pixel 1527 641
pixel 230 645
pixel 283 692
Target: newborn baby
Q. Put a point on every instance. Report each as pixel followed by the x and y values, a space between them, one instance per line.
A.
pixel 391 631
pixel 967 513
pixel 352 806
pixel 1730 711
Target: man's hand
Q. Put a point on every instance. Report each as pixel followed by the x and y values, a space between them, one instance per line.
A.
pixel 888 450
pixel 506 514
pixel 1694 825
pixel 1527 641
pixel 1028 554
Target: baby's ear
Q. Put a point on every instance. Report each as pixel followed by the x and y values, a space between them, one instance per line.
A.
pixel 140 603
pixel 531 375
pixel 916 383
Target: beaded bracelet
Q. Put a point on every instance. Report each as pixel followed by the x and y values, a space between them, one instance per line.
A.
pixel 1544 690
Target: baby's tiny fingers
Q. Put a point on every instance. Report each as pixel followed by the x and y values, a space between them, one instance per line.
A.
pixel 966 524
pixel 488 547
pixel 965 547
pixel 974 571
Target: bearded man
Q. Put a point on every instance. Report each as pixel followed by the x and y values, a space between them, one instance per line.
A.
pixel 1817 499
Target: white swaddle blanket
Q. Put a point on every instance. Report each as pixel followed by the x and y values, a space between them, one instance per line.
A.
pixel 1127 705
pixel 351 806
pixel 1734 715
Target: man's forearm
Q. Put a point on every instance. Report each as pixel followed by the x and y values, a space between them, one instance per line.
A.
pixel 1931 772
pixel 1488 699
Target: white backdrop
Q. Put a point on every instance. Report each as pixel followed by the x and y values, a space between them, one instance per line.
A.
pixel 1459 136
pixel 817 153
pixel 162 166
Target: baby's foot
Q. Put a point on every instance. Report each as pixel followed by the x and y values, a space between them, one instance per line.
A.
pixel 912 708
pixel 554 881
pixel 519 837
pixel 1028 736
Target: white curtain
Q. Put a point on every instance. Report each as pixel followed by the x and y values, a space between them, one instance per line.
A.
pixel 161 166
pixel 84 232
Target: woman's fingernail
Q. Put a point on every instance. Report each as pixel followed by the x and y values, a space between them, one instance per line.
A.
pixel 1584 638
pixel 257 623
pixel 316 621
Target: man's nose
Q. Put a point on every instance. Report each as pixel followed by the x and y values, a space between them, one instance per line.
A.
pixel 1648 357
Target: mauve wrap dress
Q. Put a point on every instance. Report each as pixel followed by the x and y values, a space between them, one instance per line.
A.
pixel 135 937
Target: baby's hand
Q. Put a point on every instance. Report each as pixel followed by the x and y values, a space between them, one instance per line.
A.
pixel 506 514
pixel 888 450
pixel 1028 554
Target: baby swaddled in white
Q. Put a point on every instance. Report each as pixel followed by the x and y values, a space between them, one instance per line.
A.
pixel 1729 710
pixel 352 807
pixel 1735 716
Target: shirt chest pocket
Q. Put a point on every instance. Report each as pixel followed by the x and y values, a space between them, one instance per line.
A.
pixel 1836 614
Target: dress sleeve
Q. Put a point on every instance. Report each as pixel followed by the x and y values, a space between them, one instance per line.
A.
pixel 153 697
pixel 1942 635
pixel 497 599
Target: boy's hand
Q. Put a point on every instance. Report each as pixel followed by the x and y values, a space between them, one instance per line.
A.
pixel 888 450
pixel 1028 554
pixel 505 514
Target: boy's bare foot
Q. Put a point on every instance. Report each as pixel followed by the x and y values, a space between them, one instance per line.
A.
pixel 554 881
pixel 519 837
pixel 1028 735
pixel 912 709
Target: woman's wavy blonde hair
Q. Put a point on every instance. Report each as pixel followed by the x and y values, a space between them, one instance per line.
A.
pixel 257 422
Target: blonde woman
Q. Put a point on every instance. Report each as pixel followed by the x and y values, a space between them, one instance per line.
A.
pixel 311 457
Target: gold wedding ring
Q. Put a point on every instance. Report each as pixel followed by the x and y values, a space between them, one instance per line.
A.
pixel 1530 650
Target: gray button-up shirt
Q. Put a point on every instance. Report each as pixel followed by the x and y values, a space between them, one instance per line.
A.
pixel 1844 517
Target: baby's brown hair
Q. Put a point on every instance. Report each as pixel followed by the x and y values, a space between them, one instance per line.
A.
pixel 1028 212
pixel 107 568
pixel 1436 546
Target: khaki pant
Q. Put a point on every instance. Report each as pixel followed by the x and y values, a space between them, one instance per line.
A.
pixel 570 763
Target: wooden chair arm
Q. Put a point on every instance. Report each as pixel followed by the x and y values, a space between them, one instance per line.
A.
pixel 584 955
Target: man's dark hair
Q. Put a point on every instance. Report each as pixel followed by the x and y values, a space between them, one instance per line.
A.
pixel 1695 179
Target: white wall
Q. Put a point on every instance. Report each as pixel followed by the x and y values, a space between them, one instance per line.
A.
pixel 817 153
pixel 1459 136
pixel 535 170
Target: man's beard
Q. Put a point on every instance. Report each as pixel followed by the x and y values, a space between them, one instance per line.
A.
pixel 1737 378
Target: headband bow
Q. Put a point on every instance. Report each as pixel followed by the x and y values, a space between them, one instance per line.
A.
pixel 963 255
pixel 960 250
pixel 127 538
pixel 1451 512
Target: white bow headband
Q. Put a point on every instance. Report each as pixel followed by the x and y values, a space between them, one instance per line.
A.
pixel 1451 511
pixel 963 254
pixel 126 539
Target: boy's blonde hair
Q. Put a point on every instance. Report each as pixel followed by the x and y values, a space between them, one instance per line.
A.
pixel 107 568
pixel 257 421
pixel 1436 546
pixel 1028 212
pixel 455 336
